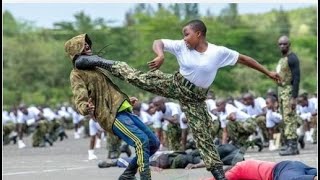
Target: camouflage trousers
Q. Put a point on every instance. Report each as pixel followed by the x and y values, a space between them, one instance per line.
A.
pixel 173 136
pixel 289 115
pixel 41 130
pixel 240 131
pixel 7 129
pixel 261 123
pixel 113 146
pixel 192 101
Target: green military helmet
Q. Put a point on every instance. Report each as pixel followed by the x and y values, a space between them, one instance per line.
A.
pixel 75 45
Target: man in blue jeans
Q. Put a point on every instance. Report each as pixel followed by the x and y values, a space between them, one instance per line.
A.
pixel 96 95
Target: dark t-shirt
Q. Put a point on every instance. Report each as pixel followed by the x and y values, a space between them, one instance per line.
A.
pixel 294 66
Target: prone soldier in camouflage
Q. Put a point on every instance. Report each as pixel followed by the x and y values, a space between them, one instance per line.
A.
pixel 189 51
pixel 289 70
pixel 95 94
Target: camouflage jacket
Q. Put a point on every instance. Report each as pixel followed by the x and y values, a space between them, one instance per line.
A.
pixel 106 96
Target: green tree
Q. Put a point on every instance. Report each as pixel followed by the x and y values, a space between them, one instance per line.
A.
pixel 282 22
pixel 229 15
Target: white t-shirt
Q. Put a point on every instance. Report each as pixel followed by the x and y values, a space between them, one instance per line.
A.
pixel 240 115
pixel 182 124
pixel 16 118
pixel 272 118
pixel 172 109
pixel 200 68
pixel 259 104
pixel 156 119
pixel 314 100
pixel 211 104
pixel 145 117
pixel 239 105
pixel 5 117
pixel 306 112
pixel 31 117
pixel 49 114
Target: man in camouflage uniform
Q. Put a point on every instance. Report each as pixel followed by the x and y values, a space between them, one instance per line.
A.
pixel 237 125
pixel 189 53
pixel 289 71
pixel 96 95
pixel 9 129
pixel 41 135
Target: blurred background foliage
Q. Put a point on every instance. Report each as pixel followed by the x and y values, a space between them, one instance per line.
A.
pixel 36 69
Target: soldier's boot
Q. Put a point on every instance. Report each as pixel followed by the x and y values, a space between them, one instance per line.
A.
pixel 301 141
pixel 145 175
pixel 126 149
pixel 48 139
pixel 14 139
pixel 63 135
pixel 218 173
pixel 129 173
pixel 89 62
pixel 113 154
pixel 258 142
pixel 292 148
pixel 285 146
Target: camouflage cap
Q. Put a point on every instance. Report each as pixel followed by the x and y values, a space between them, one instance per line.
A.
pixel 75 45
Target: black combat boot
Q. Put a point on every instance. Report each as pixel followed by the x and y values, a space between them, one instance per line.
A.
pixel 218 173
pixel 301 141
pixel 129 173
pixel 292 148
pixel 113 154
pixel 89 62
pixel 48 139
pixel 145 175
pixel 126 149
pixel 258 142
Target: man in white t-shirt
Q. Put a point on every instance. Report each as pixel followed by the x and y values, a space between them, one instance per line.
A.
pixel 199 62
pixel 256 108
pixel 273 122
pixel 211 105
pixel 171 113
pixel 237 125
pixel 308 112
pixel 27 116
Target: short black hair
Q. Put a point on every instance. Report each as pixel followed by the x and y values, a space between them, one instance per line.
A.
pixel 198 25
pixel 273 98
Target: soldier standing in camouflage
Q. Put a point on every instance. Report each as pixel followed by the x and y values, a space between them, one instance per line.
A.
pixel 199 62
pixel 289 71
pixel 96 95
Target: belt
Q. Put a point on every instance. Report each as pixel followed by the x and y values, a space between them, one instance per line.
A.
pixel 186 83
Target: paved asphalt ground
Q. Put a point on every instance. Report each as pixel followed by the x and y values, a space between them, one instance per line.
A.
pixel 67 160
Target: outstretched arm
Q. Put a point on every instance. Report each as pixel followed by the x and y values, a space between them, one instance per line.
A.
pixel 158 49
pixel 250 62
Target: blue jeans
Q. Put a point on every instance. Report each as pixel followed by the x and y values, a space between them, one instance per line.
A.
pixel 290 170
pixel 134 132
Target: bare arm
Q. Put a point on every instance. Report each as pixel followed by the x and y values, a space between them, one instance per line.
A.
pixel 224 136
pixel 250 62
pixel 173 119
pixel 158 49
